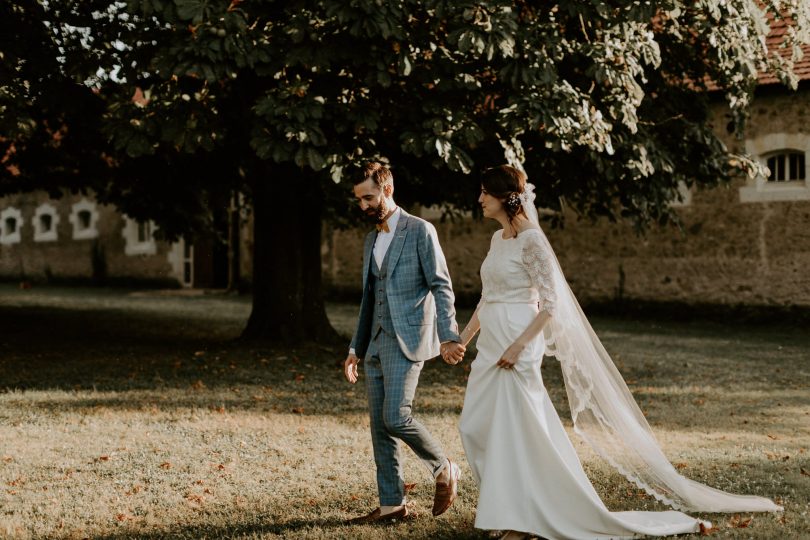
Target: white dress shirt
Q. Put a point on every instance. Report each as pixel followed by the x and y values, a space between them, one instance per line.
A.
pixel 384 238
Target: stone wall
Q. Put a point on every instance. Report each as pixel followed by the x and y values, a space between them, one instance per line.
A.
pixel 101 259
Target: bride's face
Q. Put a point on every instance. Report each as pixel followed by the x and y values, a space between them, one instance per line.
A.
pixel 491 206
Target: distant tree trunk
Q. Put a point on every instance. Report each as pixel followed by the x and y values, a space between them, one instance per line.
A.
pixel 288 300
pixel 234 242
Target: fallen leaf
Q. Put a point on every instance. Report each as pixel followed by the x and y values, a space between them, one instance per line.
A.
pixel 681 465
pixel 166 465
pixel 298 410
pixel 804 471
pixel 773 437
pixel 199 385
pixel 103 458
pixel 20 481
pixel 706 530
pixel 739 522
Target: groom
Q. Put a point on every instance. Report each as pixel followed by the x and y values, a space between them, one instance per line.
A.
pixel 406 317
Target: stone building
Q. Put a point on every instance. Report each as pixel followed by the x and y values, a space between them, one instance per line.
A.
pixel 76 239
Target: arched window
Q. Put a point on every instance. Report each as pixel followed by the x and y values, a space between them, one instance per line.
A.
pixel 45 221
pixel 10 225
pixel 84 218
pixel 785 166
pixel 787 178
pixel 139 237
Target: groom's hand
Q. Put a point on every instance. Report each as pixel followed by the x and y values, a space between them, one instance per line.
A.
pixel 452 352
pixel 350 368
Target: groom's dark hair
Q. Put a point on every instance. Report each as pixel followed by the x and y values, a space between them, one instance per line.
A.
pixel 376 171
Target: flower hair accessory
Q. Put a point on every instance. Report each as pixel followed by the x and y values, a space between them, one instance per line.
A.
pixel 514 200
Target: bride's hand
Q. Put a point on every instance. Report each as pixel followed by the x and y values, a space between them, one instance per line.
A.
pixel 510 356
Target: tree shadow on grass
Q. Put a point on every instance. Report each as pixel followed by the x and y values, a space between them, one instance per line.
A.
pixel 188 354
pixel 234 530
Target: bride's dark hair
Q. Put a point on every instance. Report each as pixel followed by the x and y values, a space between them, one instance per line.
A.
pixel 506 183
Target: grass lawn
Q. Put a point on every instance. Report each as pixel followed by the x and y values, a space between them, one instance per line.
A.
pixel 135 415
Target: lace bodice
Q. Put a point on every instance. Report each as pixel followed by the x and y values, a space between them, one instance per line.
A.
pixel 518 270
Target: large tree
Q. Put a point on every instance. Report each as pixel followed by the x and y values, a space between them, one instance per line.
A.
pixel 604 103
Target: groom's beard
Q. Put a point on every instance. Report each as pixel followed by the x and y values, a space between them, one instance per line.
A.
pixel 377 215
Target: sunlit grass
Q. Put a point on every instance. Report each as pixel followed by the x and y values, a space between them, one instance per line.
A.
pixel 134 416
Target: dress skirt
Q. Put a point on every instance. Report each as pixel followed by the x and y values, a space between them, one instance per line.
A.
pixel 529 476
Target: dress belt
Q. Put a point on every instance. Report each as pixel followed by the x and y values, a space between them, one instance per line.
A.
pixel 533 302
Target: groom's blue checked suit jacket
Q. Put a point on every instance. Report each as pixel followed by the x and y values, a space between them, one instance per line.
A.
pixel 418 291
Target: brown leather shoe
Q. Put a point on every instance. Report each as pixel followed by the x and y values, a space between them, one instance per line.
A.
pixel 446 492
pixel 375 517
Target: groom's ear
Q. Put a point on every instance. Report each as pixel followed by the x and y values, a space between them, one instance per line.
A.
pixel 388 190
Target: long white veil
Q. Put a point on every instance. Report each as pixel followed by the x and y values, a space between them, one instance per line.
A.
pixel 605 413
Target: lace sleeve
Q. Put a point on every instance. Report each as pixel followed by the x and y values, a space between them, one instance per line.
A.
pixel 538 262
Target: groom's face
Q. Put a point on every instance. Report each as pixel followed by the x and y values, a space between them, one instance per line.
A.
pixel 373 200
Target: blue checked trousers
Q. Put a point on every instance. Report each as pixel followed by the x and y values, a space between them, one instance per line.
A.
pixel 391 381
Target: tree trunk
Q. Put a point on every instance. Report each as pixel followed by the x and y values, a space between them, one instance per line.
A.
pixel 288 300
pixel 234 242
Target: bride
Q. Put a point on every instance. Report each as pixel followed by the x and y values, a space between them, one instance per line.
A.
pixel 530 478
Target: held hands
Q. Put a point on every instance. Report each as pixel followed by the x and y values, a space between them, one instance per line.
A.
pixel 350 368
pixel 510 356
pixel 452 352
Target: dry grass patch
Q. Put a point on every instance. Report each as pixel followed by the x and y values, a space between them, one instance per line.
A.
pixel 134 417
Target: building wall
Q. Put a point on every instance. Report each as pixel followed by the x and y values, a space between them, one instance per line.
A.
pixel 102 258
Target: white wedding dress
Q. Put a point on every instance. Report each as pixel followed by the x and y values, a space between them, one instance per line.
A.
pixel 529 475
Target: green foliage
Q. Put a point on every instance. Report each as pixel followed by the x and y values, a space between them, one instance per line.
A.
pixel 605 103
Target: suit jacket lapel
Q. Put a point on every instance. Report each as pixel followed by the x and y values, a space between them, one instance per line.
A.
pixel 367 249
pixel 395 249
